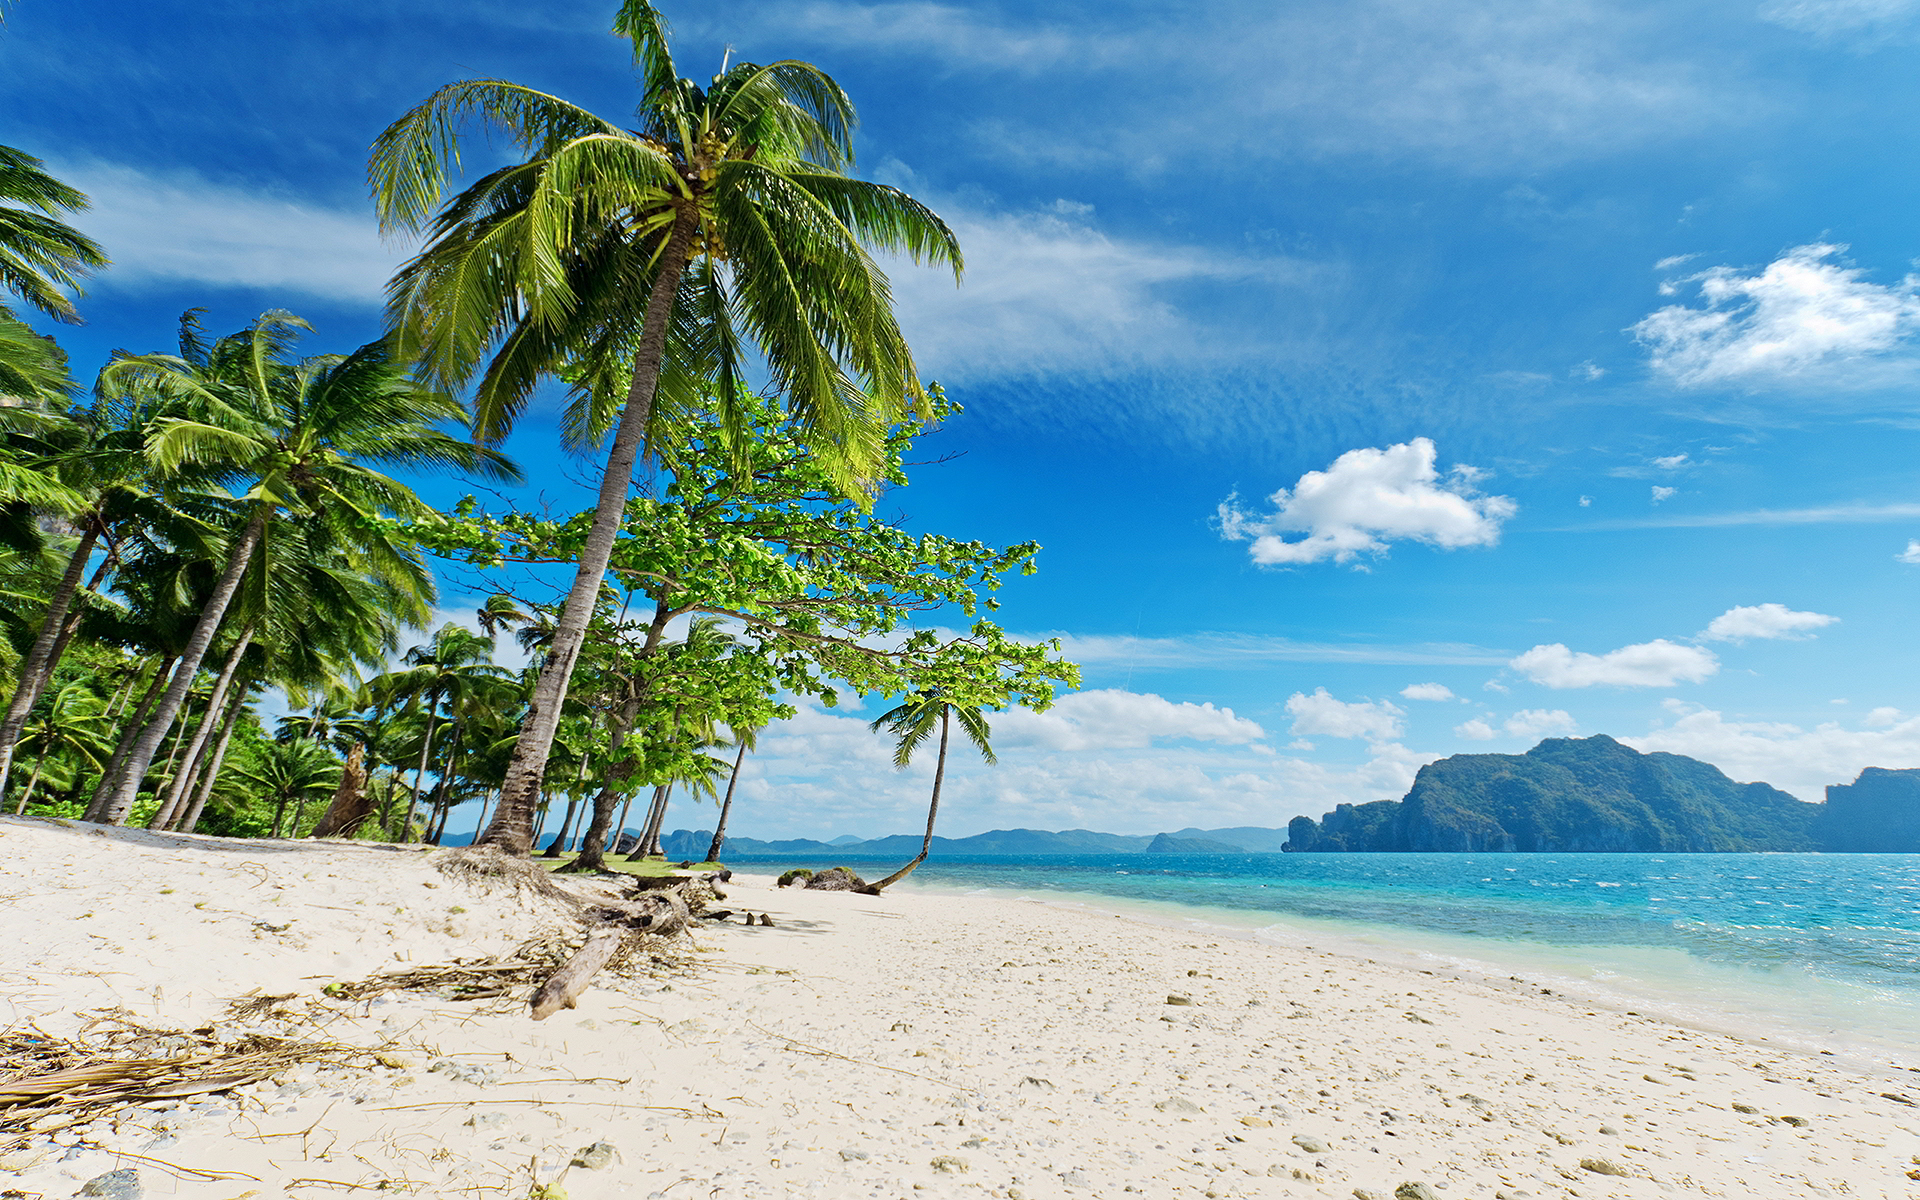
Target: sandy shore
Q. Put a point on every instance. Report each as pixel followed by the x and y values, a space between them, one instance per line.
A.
pixel 908 1045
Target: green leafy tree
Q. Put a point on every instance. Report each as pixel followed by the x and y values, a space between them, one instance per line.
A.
pixel 756 531
pixel 69 732
pixel 296 774
pixel 638 264
pixel 296 440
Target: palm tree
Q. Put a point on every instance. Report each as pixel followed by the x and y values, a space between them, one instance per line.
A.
pixel 40 254
pixel 447 671
pixel 499 612
pixel 296 439
pixel 911 723
pixel 639 265
pixel 745 739
pixel 73 723
pixel 297 773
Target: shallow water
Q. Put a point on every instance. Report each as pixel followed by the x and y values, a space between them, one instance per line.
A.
pixel 1814 949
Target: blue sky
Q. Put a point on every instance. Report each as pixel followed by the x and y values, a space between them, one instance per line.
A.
pixel 1555 361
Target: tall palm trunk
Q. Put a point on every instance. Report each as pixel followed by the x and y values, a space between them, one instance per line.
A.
pixel 419 772
pixel 639 850
pixel 512 826
pixel 726 806
pixel 120 797
pixel 188 820
pixel 443 792
pixel 933 808
pixel 559 843
pixel 33 781
pixel 650 844
pixel 38 666
pixel 128 735
pixel 620 830
pixel 183 782
pixel 350 801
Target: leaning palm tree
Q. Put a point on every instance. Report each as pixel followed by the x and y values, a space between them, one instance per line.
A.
pixel 911 723
pixel 295 440
pixel 640 264
pixel 39 253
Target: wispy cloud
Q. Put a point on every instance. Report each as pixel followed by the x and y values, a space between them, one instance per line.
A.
pixel 1799 760
pixel 176 227
pixel 1832 514
pixel 1483 84
pixel 1244 650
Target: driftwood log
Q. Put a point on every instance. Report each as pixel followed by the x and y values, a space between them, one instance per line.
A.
pixel 662 913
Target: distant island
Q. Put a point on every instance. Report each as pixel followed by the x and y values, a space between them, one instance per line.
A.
pixel 1565 795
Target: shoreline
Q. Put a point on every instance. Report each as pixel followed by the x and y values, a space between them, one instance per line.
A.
pixel 905 1045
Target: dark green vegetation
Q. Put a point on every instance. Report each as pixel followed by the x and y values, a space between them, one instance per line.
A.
pixel 225 530
pixel 1593 794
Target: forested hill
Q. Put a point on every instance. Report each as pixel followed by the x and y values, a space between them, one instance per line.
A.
pixel 1570 794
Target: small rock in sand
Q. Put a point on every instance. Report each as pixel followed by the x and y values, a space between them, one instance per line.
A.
pixel 1256 1122
pixel 1309 1143
pixel 852 1155
pixel 950 1164
pixel 1602 1166
pixel 595 1157
pixel 1749 1109
pixel 1797 1122
pixel 1415 1190
pixel 1368 1194
pixel 1176 998
pixel 1610 1131
pixel 1178 1104
pixel 123 1184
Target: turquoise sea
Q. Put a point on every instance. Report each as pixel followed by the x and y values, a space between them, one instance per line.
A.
pixel 1818 951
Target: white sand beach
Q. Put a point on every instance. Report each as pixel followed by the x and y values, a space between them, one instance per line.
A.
pixel 899 1046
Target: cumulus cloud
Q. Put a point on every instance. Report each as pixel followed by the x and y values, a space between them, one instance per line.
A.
pixel 1527 724
pixel 1365 500
pixel 1803 317
pixel 1427 691
pixel 1321 713
pixel 1659 663
pixel 1912 553
pixel 180 228
pixel 1764 621
pixel 1664 493
pixel 1672 462
pixel 1795 759
pixel 1109 719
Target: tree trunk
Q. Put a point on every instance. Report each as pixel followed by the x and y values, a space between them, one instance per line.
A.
pixel 512 826
pixel 191 818
pixel 926 843
pixel 350 804
pixel 419 773
pixel 38 665
pixel 279 813
pixel 559 844
pixel 128 734
pixel 639 850
pixel 33 781
pixel 726 806
pixel 120 797
pixel 183 782
pixel 652 841
pixel 443 792
pixel 593 847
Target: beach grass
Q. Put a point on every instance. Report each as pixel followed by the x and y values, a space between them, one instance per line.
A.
pixel 646 868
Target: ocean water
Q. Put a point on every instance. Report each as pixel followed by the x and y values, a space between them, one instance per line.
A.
pixel 1816 951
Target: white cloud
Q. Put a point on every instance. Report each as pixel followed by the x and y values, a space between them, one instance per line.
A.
pixel 1427 691
pixel 1834 514
pixel 1658 663
pixel 1111 719
pixel 1664 493
pixel 176 227
pixel 1802 318
pixel 1320 713
pixel 1245 650
pixel 1801 761
pixel 1365 500
pixel 1531 723
pixel 1882 718
pixel 1911 554
pixel 1586 502
pixel 1588 371
pixel 1770 621
pixel 1673 462
pixel 1527 724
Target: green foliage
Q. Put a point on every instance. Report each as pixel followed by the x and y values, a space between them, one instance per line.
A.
pixel 41 256
pixel 754 527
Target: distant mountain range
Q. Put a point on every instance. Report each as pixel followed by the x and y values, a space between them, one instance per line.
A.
pixel 1565 795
